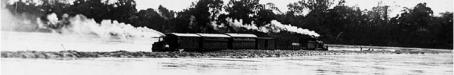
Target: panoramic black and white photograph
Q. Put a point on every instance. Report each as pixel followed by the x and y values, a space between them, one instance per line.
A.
pixel 226 37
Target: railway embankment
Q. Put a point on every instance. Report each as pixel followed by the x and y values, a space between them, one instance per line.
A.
pixel 73 54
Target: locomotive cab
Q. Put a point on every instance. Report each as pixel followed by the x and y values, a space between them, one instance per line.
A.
pixel 315 44
pixel 160 46
pixel 294 41
pixel 178 41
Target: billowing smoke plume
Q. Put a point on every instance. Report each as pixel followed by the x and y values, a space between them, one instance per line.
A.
pixel 294 29
pixel 23 22
pixel 273 27
pixel 79 24
pixel 32 21
pixel 239 24
pixel 31 31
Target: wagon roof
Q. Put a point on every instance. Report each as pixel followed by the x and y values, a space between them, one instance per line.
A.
pixel 186 34
pixel 212 35
pixel 242 35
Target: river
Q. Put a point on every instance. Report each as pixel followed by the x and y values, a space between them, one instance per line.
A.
pixel 356 64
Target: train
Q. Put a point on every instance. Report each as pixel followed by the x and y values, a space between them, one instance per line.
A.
pixel 236 41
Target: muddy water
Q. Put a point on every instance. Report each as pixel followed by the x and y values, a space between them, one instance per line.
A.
pixel 389 64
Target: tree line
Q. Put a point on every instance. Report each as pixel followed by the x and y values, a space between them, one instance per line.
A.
pixel 337 23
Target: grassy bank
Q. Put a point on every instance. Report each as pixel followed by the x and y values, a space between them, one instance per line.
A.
pixel 212 54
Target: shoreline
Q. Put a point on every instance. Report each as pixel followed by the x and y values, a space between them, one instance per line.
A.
pixel 212 54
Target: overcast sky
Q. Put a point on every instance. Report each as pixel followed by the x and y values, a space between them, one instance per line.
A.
pixel 437 6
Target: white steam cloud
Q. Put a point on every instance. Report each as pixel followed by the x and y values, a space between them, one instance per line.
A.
pixel 19 33
pixel 239 24
pixel 79 24
pixel 274 26
pixel 23 22
pixel 294 29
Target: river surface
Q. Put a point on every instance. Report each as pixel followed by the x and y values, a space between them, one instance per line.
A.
pixel 356 64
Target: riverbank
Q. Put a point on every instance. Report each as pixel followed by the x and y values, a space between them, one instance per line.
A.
pixel 211 54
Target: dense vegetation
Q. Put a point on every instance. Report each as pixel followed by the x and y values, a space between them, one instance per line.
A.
pixel 337 23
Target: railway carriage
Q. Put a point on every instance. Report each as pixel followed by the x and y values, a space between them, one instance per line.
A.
pixel 266 43
pixel 214 41
pixel 242 41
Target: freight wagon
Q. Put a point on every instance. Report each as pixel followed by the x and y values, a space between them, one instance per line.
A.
pixel 236 41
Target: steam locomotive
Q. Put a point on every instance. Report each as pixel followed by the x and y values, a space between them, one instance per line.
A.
pixel 236 41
